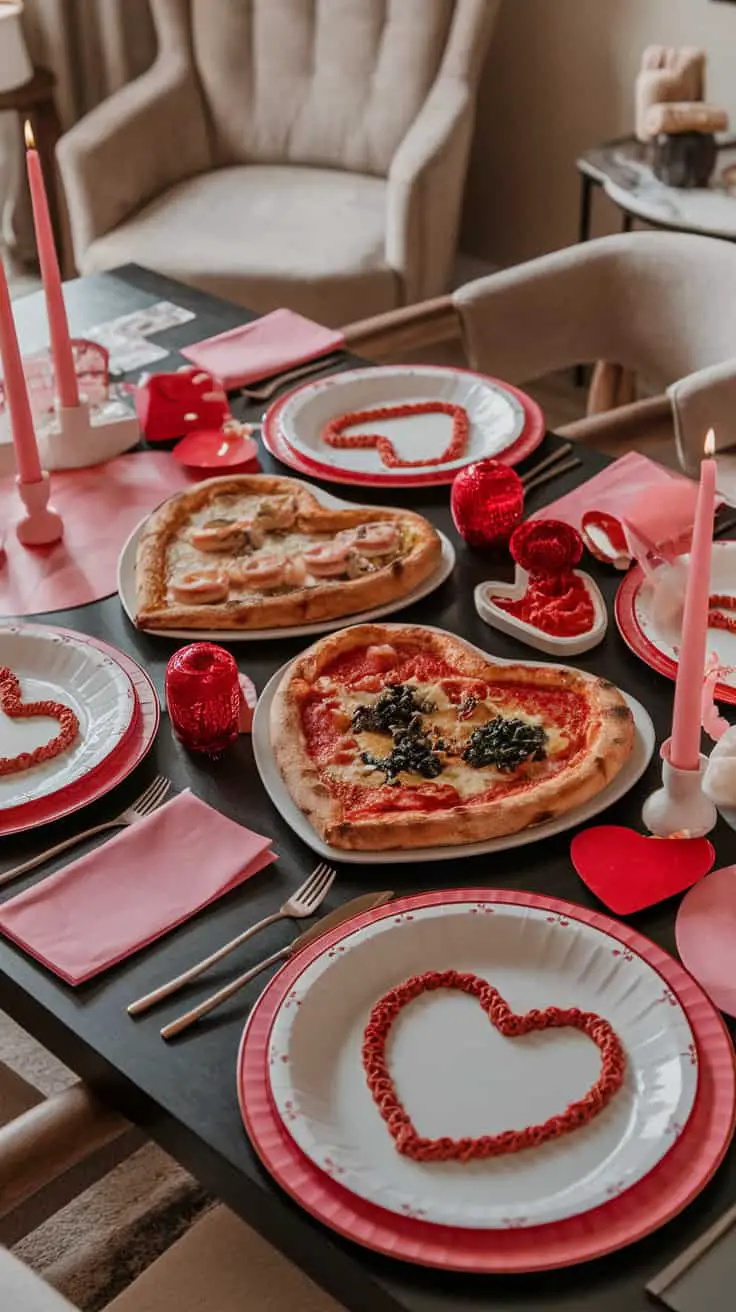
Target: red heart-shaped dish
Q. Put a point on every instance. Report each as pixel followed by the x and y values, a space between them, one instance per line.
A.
pixel 15 709
pixel 512 1025
pixel 628 871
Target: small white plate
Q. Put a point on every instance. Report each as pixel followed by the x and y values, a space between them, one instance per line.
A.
pixel 458 1076
pixel 56 667
pixel 127 593
pixel 496 416
pixel 500 619
pixel 641 755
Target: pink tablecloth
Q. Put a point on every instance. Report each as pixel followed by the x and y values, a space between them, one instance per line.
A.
pixel 100 508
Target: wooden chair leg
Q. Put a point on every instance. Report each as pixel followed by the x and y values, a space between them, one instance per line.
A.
pixel 611 386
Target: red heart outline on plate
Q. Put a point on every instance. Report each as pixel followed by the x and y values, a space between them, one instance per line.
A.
pixel 335 436
pixel 16 709
pixel 629 871
pixel 511 1025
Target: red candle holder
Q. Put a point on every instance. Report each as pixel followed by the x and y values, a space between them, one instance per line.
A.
pixel 203 697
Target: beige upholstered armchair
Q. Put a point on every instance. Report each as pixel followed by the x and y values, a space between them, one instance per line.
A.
pixel 658 305
pixel 287 153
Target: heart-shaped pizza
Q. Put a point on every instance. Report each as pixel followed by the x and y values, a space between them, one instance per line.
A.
pixel 391 736
pixel 255 552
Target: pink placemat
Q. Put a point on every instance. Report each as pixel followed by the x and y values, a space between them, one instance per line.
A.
pixel 134 888
pixel 614 489
pixel 256 350
pixel 100 508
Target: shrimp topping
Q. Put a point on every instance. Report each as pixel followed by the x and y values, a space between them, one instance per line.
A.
pixel 378 539
pixel 201 587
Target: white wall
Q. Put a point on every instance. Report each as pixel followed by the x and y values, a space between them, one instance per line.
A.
pixel 559 78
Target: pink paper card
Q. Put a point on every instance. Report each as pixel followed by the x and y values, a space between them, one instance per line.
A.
pixel 257 350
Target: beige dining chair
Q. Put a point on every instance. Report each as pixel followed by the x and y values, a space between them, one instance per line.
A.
pixel 306 155
pixel 657 305
pixel 51 1148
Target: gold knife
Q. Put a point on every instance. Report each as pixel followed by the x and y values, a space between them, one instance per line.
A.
pixel 356 907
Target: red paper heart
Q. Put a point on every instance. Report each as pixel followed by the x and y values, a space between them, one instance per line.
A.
pixel 334 432
pixel 15 709
pixel 411 1144
pixel 628 871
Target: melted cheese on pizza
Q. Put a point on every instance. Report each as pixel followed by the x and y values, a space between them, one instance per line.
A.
pixel 280 547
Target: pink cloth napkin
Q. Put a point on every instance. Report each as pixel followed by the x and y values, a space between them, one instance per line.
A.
pixel 142 883
pixel 614 490
pixel 256 350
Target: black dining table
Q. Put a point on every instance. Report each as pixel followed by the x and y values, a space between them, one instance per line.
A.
pixel 183 1094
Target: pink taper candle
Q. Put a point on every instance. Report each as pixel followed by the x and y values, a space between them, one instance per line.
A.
pixel 684 751
pixel 16 392
pixel 67 391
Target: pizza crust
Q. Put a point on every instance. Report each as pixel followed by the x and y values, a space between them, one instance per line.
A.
pixel 610 739
pixel 329 599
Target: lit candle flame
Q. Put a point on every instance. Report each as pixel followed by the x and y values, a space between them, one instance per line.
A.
pixel 28 134
pixel 710 443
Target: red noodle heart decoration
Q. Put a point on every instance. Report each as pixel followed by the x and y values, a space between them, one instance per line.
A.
pixel 10 701
pixel 334 432
pixel 511 1024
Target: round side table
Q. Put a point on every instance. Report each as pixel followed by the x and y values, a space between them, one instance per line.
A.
pixel 35 102
pixel 622 168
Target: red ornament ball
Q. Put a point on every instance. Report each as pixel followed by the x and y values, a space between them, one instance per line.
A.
pixel 487 502
pixel 546 546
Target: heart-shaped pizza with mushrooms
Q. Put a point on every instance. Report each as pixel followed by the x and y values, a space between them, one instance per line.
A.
pixel 255 552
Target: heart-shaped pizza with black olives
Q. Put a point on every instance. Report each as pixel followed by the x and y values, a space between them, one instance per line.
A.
pixel 395 736
pixel 256 552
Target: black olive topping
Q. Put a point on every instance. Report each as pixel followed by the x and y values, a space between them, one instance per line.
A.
pixel 396 707
pixel 507 744
pixel 412 751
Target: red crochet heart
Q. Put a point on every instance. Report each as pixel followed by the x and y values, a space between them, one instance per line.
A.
pixel 407 1139
pixel 15 709
pixel 629 871
pixel 334 432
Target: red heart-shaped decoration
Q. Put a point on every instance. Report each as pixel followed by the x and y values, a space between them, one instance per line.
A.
pixel 334 433
pixel 15 709
pixel 407 1139
pixel 629 871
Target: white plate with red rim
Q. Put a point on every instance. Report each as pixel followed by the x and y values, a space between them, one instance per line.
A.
pixel 655 640
pixel 272 780
pixel 127 592
pixel 485 596
pixel 504 423
pixel 53 666
pixel 536 960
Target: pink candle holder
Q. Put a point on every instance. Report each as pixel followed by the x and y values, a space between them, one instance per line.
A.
pixel 41 525
pixel 203 697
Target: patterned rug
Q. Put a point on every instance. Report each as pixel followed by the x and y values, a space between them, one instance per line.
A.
pixel 95 1246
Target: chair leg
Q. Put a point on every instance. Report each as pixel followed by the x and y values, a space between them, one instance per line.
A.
pixel 611 386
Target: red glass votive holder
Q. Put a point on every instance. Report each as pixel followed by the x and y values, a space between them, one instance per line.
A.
pixel 203 697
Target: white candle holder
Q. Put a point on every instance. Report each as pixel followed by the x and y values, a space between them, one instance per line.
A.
pixel 41 526
pixel 77 436
pixel 74 437
pixel 679 807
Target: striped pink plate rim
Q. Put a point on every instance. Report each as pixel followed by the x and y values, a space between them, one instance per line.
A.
pixel 640 644
pixel 276 443
pixel 674 1182
pixel 114 769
